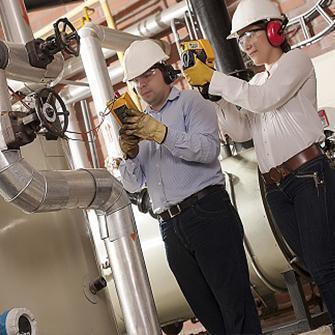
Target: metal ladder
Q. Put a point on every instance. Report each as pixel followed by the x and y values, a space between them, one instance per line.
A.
pixel 301 22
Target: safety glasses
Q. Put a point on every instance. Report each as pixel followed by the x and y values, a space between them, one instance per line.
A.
pixel 248 36
pixel 145 77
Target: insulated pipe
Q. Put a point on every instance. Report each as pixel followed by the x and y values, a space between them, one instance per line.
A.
pixel 215 24
pixel 100 85
pixel 15 22
pixel 120 55
pixel 17 30
pixel 18 66
pixel 147 28
pixel 136 300
pixel 4 104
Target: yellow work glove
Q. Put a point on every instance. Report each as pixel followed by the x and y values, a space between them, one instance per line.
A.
pixel 144 126
pixel 199 74
pixel 129 144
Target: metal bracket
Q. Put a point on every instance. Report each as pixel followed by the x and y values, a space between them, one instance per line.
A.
pixel 302 21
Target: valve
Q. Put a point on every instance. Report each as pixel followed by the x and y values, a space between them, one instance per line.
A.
pixel 54 119
pixel 97 285
pixel 41 53
pixel 66 37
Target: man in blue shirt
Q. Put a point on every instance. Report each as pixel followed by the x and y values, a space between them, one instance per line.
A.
pixel 173 148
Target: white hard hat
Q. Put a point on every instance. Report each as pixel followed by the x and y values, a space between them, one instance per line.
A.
pixel 251 11
pixel 141 56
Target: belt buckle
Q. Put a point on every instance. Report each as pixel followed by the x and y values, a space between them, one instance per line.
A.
pixel 172 215
pixel 275 175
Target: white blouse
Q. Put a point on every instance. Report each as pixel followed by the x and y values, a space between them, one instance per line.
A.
pixel 278 109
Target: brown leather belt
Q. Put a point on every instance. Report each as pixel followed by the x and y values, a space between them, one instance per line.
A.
pixel 188 202
pixel 278 173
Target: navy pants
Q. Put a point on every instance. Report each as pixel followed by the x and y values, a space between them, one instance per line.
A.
pixel 205 252
pixel 303 207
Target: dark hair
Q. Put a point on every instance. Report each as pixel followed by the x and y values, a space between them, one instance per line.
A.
pixel 286 47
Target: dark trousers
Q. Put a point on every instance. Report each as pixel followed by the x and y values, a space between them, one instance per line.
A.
pixel 205 252
pixel 303 207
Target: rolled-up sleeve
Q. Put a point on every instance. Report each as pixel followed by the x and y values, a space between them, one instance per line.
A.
pixel 199 142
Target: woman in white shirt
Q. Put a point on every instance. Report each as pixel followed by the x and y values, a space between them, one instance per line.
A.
pixel 278 110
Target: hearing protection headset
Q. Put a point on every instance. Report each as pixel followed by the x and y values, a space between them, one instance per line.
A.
pixel 168 72
pixel 275 31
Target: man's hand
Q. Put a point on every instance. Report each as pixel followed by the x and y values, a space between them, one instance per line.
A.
pixel 199 74
pixel 144 126
pixel 129 144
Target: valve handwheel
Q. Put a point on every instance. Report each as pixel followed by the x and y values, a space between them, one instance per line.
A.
pixel 54 118
pixel 67 36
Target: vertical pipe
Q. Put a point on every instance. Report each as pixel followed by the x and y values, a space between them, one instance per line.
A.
pixel 15 22
pixel 124 250
pixel 74 148
pixel 90 137
pixel 111 24
pixel 100 86
pixel 5 104
pixel 215 24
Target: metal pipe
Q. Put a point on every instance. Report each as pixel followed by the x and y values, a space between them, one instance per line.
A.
pixel 147 28
pixel 73 94
pixel 111 24
pixel 191 16
pixel 15 22
pixel 74 147
pixel 100 85
pixel 136 299
pixel 18 66
pixel 90 138
pixel 5 104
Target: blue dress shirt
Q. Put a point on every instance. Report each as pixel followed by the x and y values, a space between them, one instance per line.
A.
pixel 187 161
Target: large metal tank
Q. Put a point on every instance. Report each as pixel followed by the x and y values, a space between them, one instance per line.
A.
pixel 47 262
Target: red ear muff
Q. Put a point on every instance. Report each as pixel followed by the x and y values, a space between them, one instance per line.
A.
pixel 274 31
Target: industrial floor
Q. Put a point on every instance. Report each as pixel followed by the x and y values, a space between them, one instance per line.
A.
pixel 274 321
pixel 197 329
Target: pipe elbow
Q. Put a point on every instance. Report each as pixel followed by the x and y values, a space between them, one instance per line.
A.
pixel 110 196
pixel 91 30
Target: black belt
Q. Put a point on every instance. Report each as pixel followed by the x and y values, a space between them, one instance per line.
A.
pixel 188 202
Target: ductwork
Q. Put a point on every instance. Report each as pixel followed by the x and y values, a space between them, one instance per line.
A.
pixel 44 191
